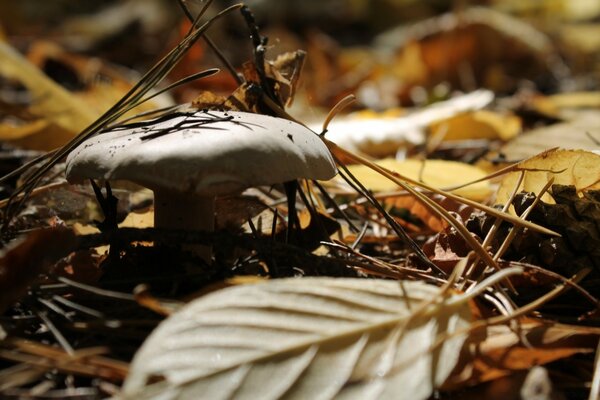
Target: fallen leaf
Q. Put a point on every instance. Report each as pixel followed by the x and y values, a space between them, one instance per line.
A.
pixel 500 350
pixel 580 132
pixel 481 124
pixel 382 134
pixel 305 338
pixel 489 48
pixel 568 167
pixel 52 101
pixel 575 100
pixel 56 114
pixel 24 259
pixel 429 219
pixel 138 220
pixel 437 173
pixel 40 134
pixel 582 37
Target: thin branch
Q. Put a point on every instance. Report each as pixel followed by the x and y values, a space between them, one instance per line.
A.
pixel 226 63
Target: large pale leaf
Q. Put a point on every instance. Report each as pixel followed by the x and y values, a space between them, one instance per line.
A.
pixel 305 338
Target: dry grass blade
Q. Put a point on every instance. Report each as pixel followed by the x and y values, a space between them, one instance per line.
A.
pixel 38 190
pixel 212 45
pixel 490 236
pixel 145 299
pixel 398 229
pixel 534 305
pixel 511 168
pixel 431 205
pixel 513 233
pixel 183 81
pixel 399 180
pixel 87 362
pixel 343 103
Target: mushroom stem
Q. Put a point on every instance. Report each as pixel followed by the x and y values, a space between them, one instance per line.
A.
pixel 185 211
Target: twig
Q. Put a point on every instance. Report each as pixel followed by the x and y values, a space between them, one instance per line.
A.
pixel 212 45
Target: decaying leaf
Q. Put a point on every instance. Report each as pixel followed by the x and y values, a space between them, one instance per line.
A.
pixel 575 218
pixel 575 100
pixel 500 350
pixel 283 74
pixel 25 259
pixel 568 167
pixel 499 50
pixel 304 339
pixel 437 173
pixel 429 219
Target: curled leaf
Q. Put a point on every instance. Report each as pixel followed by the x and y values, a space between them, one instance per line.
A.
pixel 383 134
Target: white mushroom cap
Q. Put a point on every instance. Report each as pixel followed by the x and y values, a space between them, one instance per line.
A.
pixel 204 153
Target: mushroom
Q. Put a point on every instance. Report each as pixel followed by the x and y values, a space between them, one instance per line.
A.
pixel 188 158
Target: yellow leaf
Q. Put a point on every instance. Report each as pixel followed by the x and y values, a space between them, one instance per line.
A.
pixel 40 134
pixel 50 100
pixel 576 100
pixel 479 125
pixel 60 114
pixel 437 173
pixel 573 167
pixel 582 37
pixel 138 220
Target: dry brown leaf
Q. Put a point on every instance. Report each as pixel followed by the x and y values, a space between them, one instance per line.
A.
pixel 579 168
pixel 575 100
pixel 40 134
pixel 498 49
pixel 24 259
pixel 497 351
pixel 584 38
pixel 432 221
pixel 437 173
